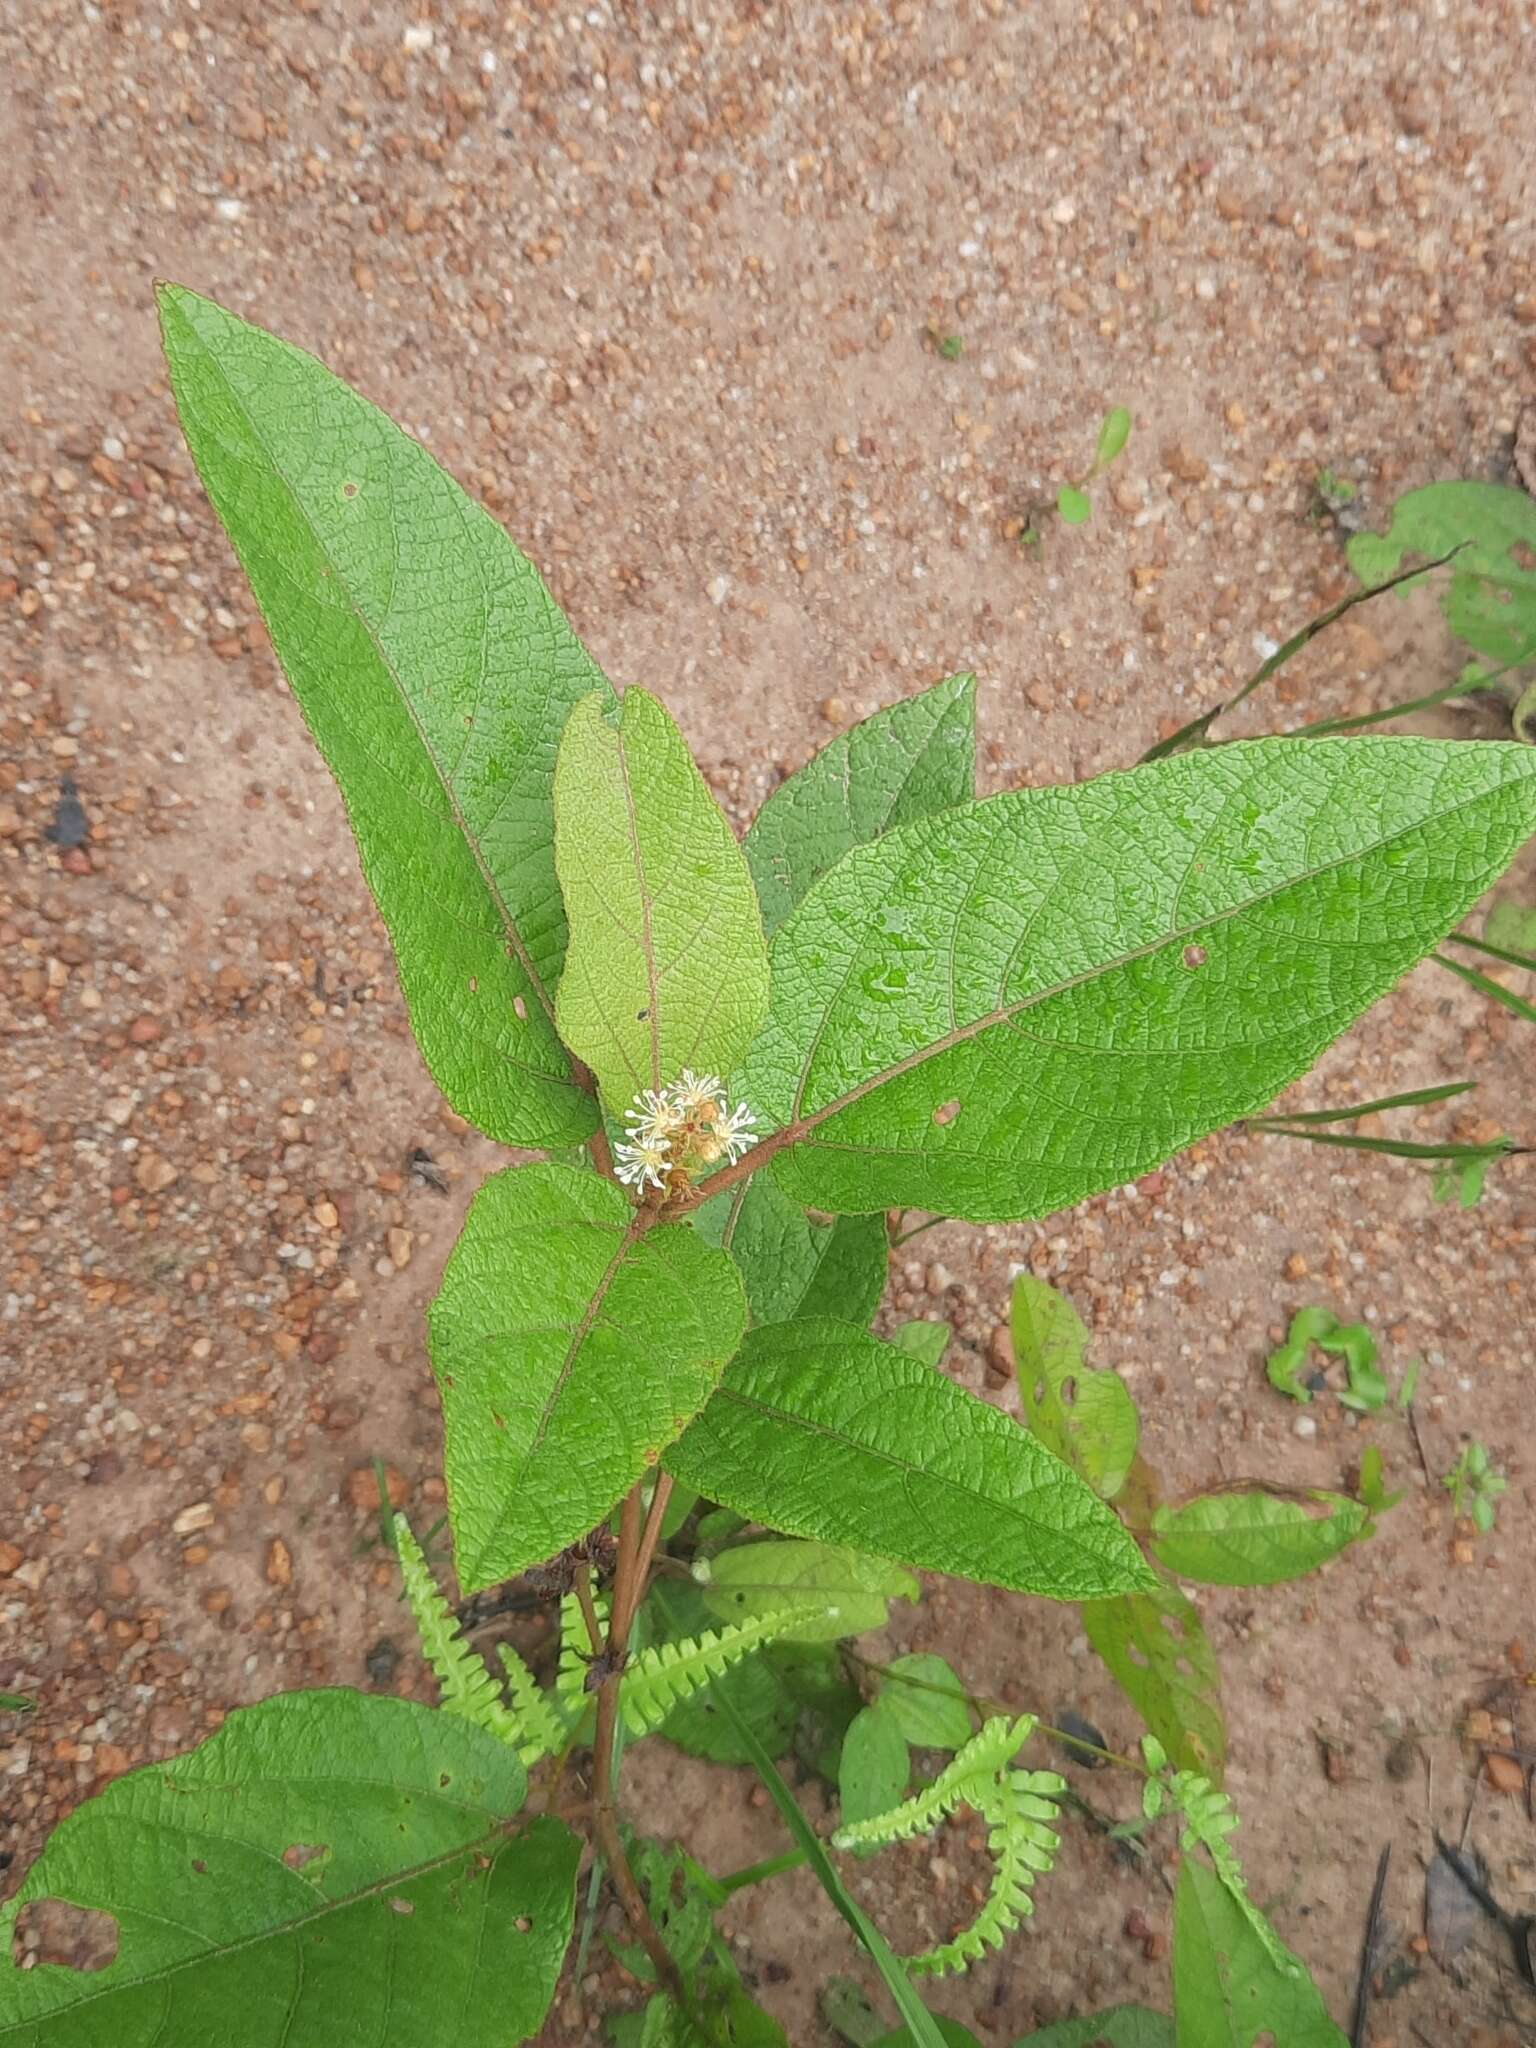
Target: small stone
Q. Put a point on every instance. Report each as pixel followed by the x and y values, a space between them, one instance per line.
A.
pixel 279 1563
pixel 326 1215
pixel 1504 1773
pixel 145 1030
pixel 154 1174
pixel 10 1556
pixel 1185 464
pixel 1296 1267
pixel 1304 1426
pixel 719 589
pixel 257 1437
pixel 110 1760
pixel 190 1520
pixel 363 1487
pixel 399 1243
pixel 32 1573
pixel 833 710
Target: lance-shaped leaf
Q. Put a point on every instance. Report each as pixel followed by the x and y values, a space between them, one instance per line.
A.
pixel 1086 1417
pixel 1232 1987
pixel 908 760
pixel 820 1430
pixel 791 1264
pixel 570 1345
pixel 668 967
pixel 1255 1538
pixel 1009 1006
pixel 1156 1650
pixel 330 1866
pixel 435 672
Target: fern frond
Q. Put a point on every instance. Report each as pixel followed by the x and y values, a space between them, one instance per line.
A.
pixel 542 1732
pixel 572 1701
pixel 466 1687
pixel 967 1778
pixel 659 1678
pixel 1022 1848
pixel 1210 1824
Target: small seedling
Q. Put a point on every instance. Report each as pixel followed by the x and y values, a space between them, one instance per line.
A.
pixel 1367 1392
pixel 1474 1483
pixel 1073 505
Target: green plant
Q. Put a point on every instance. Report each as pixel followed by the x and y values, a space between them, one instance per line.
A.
pixel 1474 1483
pixel 1072 504
pixel 658 1336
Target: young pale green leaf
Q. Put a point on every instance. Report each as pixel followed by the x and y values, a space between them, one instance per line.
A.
pixel 667 966
pixel 434 670
pixel 1113 435
pixel 823 1431
pixel 329 1866
pixel 1254 1539
pixel 1230 1988
pixel 926 1700
pixel 1002 1009
pixel 875 1766
pixel 925 1338
pixel 790 1264
pixel 1075 506
pixel 569 1346
pixel 756 1578
pixel 1086 1417
pixel 908 760
pixel 1156 1650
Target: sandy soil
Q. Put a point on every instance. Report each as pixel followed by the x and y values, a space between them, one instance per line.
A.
pixel 659 285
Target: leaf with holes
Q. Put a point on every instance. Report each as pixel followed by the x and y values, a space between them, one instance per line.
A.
pixel 1156 1650
pixel 569 1345
pixel 908 760
pixel 791 1264
pixel 1254 1538
pixel 435 672
pixel 1009 1006
pixel 667 965
pixel 1231 1989
pixel 328 1866
pixel 820 1430
pixel 1086 1417
pixel 1490 592
pixel 756 1578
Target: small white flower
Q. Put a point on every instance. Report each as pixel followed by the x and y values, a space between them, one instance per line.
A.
pixel 655 1116
pixel 736 1132
pixel 643 1162
pixel 697 1092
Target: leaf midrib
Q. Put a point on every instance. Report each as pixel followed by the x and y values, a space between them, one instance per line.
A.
pixel 493 889
pixel 275 1931
pixel 796 1420
pixel 800 1126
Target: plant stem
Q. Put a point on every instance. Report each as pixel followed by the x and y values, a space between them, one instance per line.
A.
pixel 582 1586
pixel 792 1859
pixel 605 1811
pixel 651 1535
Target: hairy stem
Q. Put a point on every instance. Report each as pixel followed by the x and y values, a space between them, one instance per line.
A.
pixel 605 1811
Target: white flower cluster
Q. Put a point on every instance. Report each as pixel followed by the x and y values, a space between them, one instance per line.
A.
pixel 685 1126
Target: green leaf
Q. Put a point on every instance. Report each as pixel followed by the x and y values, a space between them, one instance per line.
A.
pixel 17 1703
pixel 1156 1650
pixel 1087 1418
pixel 873 1772
pixel 1127 2026
pixel 1000 1010
pixel 435 672
pixel 790 1264
pixel 328 1866
pixel 925 1339
pixel 929 1719
pixel 954 2035
pixel 905 762
pixel 569 1345
pixel 760 1578
pixel 821 1430
pixel 924 2031
pixel 772 1691
pixel 1075 506
pixel 1253 1539
pixel 1491 598
pixel 1512 925
pixel 1230 1989
pixel 667 965
pixel 1113 435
